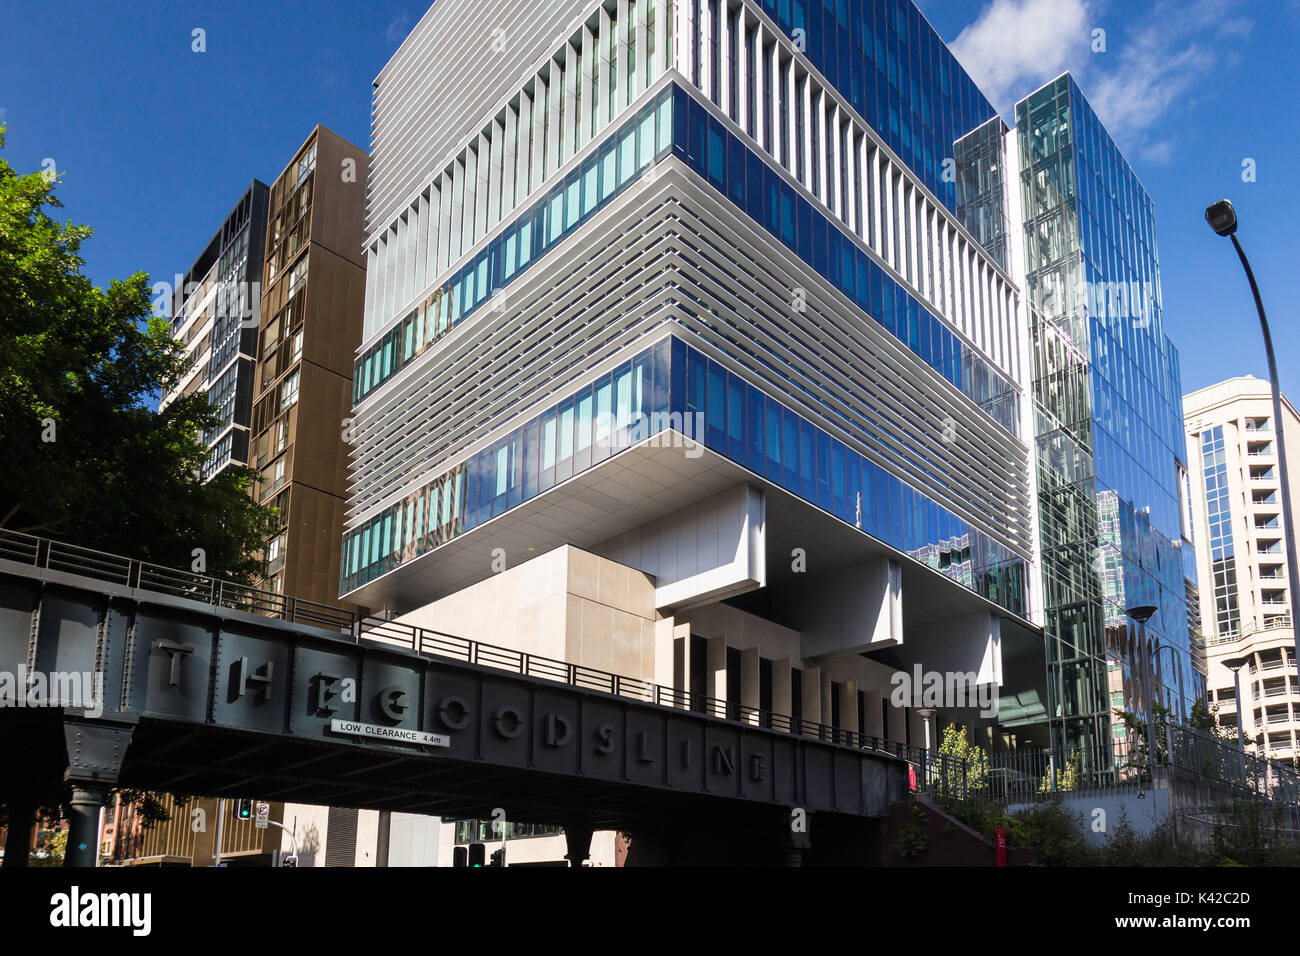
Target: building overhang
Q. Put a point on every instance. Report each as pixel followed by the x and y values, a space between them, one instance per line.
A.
pixel 651 480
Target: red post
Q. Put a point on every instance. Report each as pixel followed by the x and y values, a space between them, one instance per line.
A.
pixel 1000 837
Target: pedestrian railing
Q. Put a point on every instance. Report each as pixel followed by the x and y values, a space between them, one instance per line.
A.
pixel 128 572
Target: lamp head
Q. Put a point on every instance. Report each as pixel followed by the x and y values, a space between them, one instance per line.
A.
pixel 1222 217
pixel 1141 614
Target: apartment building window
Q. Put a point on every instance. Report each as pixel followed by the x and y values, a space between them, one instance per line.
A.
pixel 289 391
pixel 306 164
pixel 275 553
pixel 298 277
pixel 270 337
pixel 295 347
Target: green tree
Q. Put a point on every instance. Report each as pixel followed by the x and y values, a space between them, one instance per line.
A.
pixel 965 774
pixel 87 459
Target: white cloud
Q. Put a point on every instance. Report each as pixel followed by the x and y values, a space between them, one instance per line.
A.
pixel 1159 65
pixel 1015 46
pixel 399 28
pixel 1153 63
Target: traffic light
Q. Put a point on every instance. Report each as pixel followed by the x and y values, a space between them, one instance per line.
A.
pixel 245 809
pixel 477 855
pixel 460 856
pixel 498 857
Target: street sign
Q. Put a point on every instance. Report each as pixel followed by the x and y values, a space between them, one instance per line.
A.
pixel 384 734
pixel 263 814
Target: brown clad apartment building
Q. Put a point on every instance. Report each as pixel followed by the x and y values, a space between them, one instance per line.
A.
pixel 313 289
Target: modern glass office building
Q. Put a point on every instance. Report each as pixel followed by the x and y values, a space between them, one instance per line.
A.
pixel 695 350
pixel 687 356
pixel 1111 462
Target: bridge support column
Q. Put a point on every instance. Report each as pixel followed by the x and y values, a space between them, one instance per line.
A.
pixel 798 839
pixel 18 838
pixel 83 825
pixel 577 839
pixel 796 845
pixel 96 748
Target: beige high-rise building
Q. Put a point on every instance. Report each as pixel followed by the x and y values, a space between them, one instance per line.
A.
pixel 1241 557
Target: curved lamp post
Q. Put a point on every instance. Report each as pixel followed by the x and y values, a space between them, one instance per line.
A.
pixel 1223 220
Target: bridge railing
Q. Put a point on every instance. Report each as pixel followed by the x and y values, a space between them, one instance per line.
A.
pixel 101 566
pixel 128 572
pixel 437 644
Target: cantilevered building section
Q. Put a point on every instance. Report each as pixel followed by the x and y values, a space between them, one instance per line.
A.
pixel 1245 610
pixel 214 313
pixel 1112 471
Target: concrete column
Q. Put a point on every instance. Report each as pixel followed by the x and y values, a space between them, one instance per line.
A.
pixel 849 707
pixel 717 670
pixel 875 720
pixel 681 681
pixel 749 681
pixel 18 837
pixel 812 695
pixel 383 836
pixel 782 687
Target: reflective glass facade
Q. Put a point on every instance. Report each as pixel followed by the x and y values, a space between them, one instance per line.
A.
pixel 982 187
pixel 1109 405
pixel 676 121
pixel 763 192
pixel 896 72
pixel 671 385
pixel 618 161
pixel 1218 510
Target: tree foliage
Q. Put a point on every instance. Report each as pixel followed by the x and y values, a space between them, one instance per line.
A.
pixel 966 774
pixel 87 459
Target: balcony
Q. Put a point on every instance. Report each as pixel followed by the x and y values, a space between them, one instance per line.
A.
pixel 1275 687
pixel 1262 473
pixel 1278 716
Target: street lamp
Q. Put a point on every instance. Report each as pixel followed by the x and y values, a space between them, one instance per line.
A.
pixel 1142 614
pixel 1235 664
pixel 1223 220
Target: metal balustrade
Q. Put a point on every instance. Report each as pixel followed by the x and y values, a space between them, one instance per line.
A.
pixel 437 644
pixel 73 559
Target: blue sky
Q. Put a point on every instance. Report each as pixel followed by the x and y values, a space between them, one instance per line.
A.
pixel 156 142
